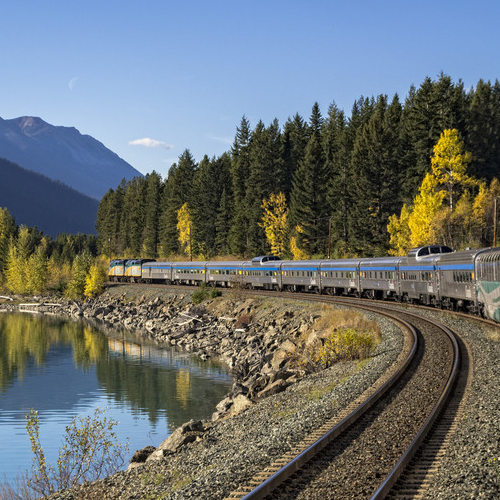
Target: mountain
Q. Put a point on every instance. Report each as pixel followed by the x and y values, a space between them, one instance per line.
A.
pixel 63 154
pixel 35 200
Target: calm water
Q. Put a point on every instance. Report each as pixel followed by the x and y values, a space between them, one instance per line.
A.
pixel 63 369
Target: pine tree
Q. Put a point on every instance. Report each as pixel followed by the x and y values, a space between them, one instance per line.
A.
pixel 108 221
pixel 205 202
pixel 177 191
pixel 294 144
pixel 132 217
pixel 308 206
pixel 222 225
pixel 375 179
pixel 483 130
pixel 338 163
pixel 151 215
pixel 240 169
pixel 265 171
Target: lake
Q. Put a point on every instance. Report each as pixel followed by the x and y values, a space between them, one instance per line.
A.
pixel 64 368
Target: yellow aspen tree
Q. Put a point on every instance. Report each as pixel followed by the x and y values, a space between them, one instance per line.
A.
pixel 484 210
pixel 449 164
pixel 184 226
pixel 425 207
pixel 297 252
pixel 399 232
pixel 95 280
pixel 274 223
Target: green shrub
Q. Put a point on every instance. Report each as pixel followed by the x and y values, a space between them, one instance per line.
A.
pixel 345 344
pixel 204 292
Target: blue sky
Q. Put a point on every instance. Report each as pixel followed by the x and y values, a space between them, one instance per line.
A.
pixel 150 79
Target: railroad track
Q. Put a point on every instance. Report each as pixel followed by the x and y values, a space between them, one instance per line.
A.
pixel 365 453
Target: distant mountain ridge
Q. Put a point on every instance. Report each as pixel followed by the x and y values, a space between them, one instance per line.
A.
pixel 35 200
pixel 63 154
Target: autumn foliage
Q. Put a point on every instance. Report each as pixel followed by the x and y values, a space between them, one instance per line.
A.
pixel 451 207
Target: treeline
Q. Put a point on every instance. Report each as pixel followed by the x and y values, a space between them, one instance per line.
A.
pixel 36 200
pixel 333 181
pixel 33 263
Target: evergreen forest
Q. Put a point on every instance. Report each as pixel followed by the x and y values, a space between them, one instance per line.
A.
pixel 329 184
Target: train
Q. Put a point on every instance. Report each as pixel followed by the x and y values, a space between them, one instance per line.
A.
pixel 433 275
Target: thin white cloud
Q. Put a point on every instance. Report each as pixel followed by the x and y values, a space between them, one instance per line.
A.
pixel 150 143
pixel 72 82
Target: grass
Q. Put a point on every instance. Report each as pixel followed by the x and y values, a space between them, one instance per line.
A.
pixel 318 392
pixel 332 318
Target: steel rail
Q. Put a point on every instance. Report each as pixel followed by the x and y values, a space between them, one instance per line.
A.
pixel 409 453
pixel 267 486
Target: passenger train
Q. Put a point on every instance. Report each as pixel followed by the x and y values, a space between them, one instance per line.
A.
pixel 432 275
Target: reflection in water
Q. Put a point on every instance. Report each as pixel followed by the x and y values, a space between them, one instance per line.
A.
pixel 64 368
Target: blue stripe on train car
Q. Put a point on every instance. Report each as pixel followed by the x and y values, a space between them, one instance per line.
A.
pixel 455 267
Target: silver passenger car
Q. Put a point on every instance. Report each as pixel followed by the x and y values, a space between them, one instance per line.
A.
pixel 157 272
pixel 457 280
pixel 301 275
pixel 378 277
pixel 188 273
pixel 340 277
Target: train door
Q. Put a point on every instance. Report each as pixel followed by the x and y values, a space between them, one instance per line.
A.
pixel 438 286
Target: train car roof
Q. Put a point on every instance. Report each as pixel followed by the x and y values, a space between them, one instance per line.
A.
pixel 158 263
pixel 192 264
pixel 273 264
pixel 339 263
pixel 461 256
pixel 380 261
pixel 300 263
pixel 426 250
pixel 220 264
pixel 264 259
pixel 489 255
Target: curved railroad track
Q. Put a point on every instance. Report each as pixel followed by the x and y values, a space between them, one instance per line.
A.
pixel 365 454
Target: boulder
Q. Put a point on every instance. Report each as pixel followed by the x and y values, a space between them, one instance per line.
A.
pixel 274 388
pixel 186 433
pixel 240 404
pixel 142 454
